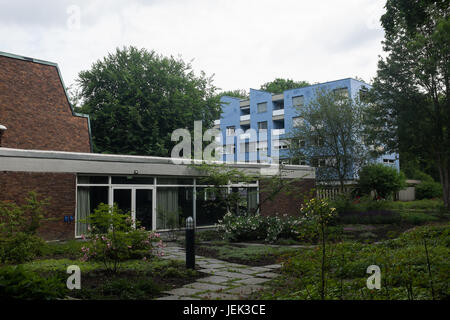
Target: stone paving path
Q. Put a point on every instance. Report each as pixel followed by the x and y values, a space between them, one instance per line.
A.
pixel 225 280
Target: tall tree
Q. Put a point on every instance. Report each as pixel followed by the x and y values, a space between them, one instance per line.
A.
pixel 136 98
pixel 238 93
pixel 330 136
pixel 411 104
pixel 279 85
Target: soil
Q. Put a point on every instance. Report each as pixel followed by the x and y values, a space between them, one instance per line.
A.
pixel 207 251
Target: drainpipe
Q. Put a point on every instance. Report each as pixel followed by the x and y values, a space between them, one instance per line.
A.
pixel 2 129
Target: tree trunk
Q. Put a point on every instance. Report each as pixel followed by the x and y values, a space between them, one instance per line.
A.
pixel 444 177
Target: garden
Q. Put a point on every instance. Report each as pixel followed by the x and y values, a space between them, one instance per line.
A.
pixel 117 261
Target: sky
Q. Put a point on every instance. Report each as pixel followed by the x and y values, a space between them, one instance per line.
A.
pixel 242 43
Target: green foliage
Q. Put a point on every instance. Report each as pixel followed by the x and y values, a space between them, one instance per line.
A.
pixel 383 180
pixel 414 266
pixel 258 227
pixel 17 283
pixel 410 110
pixel 125 289
pixel 20 247
pixel 332 128
pixel 113 239
pixel 24 218
pixel 18 227
pixel 137 98
pixel 238 93
pixel 428 190
pixel 279 85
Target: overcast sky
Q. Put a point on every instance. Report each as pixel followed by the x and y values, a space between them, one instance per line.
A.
pixel 244 43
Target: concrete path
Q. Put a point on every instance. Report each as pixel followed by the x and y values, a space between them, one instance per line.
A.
pixel 225 280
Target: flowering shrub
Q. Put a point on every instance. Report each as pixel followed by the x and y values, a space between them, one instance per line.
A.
pixel 113 239
pixel 257 227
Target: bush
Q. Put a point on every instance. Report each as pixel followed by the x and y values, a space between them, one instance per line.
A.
pixel 113 239
pixel 257 227
pixel 16 283
pixel 20 247
pixel 382 179
pixel 428 190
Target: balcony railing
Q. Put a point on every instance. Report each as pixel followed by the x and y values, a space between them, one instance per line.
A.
pixel 245 117
pixel 279 112
pixel 278 132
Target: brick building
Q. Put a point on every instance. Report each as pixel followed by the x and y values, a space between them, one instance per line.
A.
pixel 47 148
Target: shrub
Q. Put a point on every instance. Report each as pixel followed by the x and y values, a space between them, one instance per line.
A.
pixel 428 190
pixel 25 218
pixel 382 179
pixel 20 247
pixel 113 239
pixel 257 227
pixel 17 283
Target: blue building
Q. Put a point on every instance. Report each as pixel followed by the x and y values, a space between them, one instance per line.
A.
pixel 272 117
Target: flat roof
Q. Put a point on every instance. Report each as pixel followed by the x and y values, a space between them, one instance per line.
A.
pixel 21 160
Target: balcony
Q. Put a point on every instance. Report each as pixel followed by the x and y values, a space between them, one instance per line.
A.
pixel 278 113
pixel 278 132
pixel 245 118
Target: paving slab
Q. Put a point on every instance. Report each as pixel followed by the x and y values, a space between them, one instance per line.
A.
pixel 214 279
pixel 251 281
pixel 273 266
pixel 214 265
pixel 244 290
pixel 169 298
pixel 232 275
pixel 269 275
pixel 206 286
pixel 184 291
pixel 260 269
pixel 218 296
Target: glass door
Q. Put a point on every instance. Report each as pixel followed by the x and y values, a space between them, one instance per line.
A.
pixel 123 198
pixel 144 208
pixel 138 201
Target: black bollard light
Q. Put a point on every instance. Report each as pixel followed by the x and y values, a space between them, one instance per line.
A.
pixel 190 243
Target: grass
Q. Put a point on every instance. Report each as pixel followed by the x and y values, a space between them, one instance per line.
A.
pixel 403 262
pixel 136 279
pixel 249 255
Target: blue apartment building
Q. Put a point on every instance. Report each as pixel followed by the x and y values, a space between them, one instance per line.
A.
pixel 272 117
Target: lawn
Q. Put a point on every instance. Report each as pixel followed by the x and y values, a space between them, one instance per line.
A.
pixel 45 277
pixel 409 270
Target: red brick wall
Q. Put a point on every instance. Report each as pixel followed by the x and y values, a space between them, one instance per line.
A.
pixel 60 187
pixel 34 108
pixel 285 202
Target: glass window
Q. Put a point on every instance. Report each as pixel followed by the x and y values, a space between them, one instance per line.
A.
pixel 341 93
pixel 298 101
pixel 88 199
pixel 173 206
pixel 93 180
pixel 245 200
pixel 131 180
pixel 230 130
pixel 298 122
pixel 262 107
pixel 211 205
pixel 262 125
pixel 174 181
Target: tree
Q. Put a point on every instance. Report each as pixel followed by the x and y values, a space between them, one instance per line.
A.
pixel 238 93
pixel 410 112
pixel 279 85
pixel 136 98
pixel 330 136
pixel 382 179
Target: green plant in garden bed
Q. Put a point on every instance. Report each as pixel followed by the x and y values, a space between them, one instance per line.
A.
pixel 113 239
pixel 413 266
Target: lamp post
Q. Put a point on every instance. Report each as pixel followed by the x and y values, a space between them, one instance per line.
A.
pixel 2 129
pixel 190 243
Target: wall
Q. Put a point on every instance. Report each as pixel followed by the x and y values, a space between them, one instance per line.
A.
pixel 35 110
pixel 60 187
pixel 285 203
